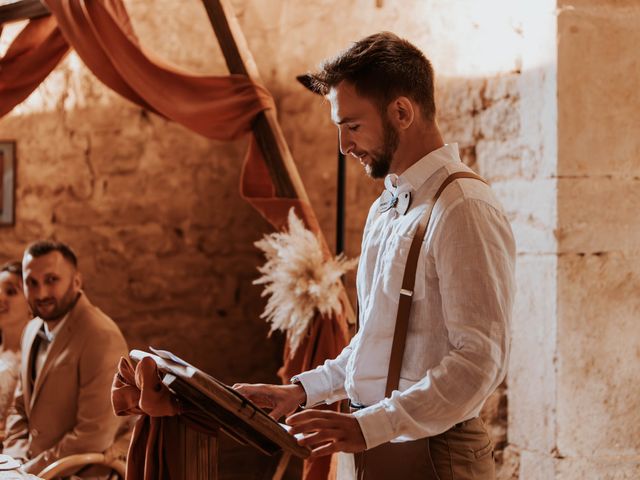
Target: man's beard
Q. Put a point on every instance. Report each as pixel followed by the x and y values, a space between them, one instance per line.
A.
pixel 381 162
pixel 62 307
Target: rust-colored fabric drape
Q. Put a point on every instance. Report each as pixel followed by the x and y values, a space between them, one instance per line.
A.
pixel 31 57
pixel 217 107
pixel 220 108
pixel 153 453
pixel 325 337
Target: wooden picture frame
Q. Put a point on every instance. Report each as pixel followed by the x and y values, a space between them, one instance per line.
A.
pixel 7 182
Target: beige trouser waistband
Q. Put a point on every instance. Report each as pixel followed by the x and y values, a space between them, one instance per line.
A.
pixel 463 452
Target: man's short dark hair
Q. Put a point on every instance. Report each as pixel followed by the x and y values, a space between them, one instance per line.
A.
pixel 42 247
pixel 382 67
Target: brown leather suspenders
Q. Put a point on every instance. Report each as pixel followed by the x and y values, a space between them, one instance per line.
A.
pixel 408 282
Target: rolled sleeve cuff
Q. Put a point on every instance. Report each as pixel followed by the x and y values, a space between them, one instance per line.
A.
pixel 375 425
pixel 315 386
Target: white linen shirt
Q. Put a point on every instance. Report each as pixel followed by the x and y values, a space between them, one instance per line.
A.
pixel 458 339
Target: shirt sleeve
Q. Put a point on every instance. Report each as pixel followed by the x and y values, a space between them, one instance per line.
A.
pixel 326 382
pixel 474 254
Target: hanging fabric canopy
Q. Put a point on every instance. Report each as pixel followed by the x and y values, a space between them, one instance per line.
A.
pixel 31 57
pixel 217 107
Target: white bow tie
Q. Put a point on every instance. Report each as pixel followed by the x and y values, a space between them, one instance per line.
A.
pixel 395 197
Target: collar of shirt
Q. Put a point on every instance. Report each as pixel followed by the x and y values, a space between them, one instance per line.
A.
pixel 418 173
pixel 51 334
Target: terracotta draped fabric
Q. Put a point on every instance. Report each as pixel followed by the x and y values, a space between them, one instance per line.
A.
pixel 325 335
pixel 140 391
pixel 31 57
pixel 220 108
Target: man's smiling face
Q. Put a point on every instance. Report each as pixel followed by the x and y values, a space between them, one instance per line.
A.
pixel 364 132
pixel 51 285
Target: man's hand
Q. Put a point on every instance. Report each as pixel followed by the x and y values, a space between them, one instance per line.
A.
pixel 327 432
pixel 281 399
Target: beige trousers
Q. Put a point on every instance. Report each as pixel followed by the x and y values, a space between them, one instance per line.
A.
pixel 464 452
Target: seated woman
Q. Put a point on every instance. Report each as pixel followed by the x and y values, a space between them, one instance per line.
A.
pixel 14 315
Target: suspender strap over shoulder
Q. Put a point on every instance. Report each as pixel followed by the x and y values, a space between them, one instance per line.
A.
pixel 408 283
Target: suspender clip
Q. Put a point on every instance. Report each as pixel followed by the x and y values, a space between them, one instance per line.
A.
pixel 408 293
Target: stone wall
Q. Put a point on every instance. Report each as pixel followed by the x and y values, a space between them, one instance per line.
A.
pixel 598 406
pixel 165 241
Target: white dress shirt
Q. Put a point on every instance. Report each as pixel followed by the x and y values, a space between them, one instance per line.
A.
pixel 458 340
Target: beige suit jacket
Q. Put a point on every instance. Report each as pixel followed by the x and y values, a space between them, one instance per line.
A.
pixel 67 410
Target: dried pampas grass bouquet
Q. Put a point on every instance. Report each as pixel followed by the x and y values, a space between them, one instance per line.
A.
pixel 299 280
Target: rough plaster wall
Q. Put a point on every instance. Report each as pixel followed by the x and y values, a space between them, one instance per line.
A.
pixel 149 204
pixel 598 233
pixel 164 240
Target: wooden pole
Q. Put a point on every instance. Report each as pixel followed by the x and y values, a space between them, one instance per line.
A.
pixel 266 128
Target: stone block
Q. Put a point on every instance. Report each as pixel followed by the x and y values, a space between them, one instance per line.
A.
pixel 538 136
pixel 598 215
pixel 500 120
pixel 77 214
pixel 537 466
pixel 531 209
pixel 598 406
pixel 29 231
pixel 531 374
pixel 614 468
pixel 597 4
pixel 459 97
pixel 499 160
pixel 597 93
pixel 502 87
pixel 123 188
pixel 54 169
pixel 150 237
pixel 116 152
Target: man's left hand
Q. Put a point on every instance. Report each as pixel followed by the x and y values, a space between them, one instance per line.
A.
pixel 327 432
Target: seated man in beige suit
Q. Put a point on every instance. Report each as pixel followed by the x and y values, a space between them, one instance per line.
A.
pixel 70 352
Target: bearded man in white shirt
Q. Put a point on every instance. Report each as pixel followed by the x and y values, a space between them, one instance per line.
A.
pixel 381 92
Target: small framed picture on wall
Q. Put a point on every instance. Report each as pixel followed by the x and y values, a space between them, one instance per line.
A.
pixel 7 182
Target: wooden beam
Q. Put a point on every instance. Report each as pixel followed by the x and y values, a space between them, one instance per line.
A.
pixel 22 10
pixel 266 128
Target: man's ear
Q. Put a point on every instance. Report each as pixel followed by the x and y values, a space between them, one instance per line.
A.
pixel 401 113
pixel 77 281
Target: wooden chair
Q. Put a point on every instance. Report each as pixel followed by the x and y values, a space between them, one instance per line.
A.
pixel 114 458
pixel 73 463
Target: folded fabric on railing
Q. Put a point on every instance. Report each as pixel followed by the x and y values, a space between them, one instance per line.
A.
pixel 152 452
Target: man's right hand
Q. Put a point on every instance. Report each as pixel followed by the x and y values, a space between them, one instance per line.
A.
pixel 281 399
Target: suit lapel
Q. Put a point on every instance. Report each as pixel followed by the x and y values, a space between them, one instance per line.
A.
pixel 28 358
pixel 62 338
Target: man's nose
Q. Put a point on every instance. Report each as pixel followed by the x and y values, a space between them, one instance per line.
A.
pixel 38 293
pixel 346 144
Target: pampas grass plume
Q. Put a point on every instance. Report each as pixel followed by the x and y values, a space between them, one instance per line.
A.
pixel 299 280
